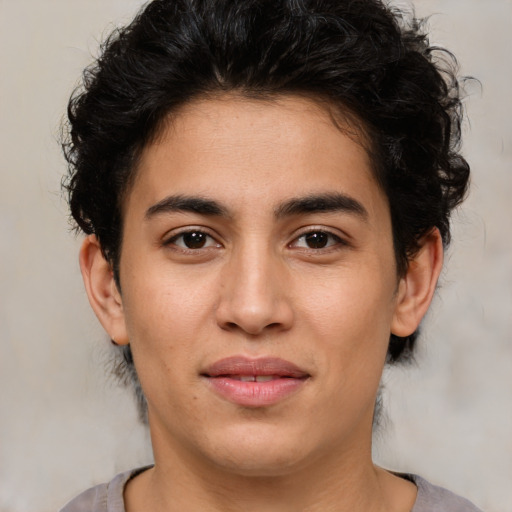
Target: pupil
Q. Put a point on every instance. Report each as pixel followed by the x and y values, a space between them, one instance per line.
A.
pixel 316 240
pixel 194 240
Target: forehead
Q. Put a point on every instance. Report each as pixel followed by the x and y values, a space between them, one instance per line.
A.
pixel 234 118
pixel 242 149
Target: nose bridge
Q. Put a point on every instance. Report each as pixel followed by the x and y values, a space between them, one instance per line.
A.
pixel 253 296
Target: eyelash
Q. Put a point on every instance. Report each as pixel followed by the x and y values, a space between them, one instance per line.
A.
pixel 318 235
pixel 172 241
pixel 332 242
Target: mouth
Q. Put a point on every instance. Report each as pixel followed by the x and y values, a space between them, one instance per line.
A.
pixel 254 378
pixel 254 382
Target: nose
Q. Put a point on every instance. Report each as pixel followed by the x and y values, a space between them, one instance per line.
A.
pixel 254 294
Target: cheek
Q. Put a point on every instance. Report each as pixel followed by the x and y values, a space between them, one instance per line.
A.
pixel 163 323
pixel 350 317
pixel 163 303
pixel 348 303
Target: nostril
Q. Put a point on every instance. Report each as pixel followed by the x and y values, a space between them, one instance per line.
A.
pixel 252 330
pixel 230 326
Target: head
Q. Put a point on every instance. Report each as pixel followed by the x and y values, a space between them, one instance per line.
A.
pixel 369 66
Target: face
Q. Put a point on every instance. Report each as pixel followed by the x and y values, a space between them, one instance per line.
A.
pixel 259 286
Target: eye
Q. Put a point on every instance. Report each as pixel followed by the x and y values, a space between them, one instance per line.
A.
pixel 193 240
pixel 316 240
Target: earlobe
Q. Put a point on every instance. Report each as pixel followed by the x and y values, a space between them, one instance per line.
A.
pixel 417 287
pixel 102 291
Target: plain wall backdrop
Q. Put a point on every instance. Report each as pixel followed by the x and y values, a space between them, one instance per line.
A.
pixel 66 425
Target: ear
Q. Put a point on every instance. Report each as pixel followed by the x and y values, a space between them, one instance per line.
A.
pixel 102 291
pixel 417 287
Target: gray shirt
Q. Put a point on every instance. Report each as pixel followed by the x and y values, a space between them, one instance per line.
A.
pixel 109 497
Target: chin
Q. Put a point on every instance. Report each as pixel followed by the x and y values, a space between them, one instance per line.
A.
pixel 259 452
pixel 258 465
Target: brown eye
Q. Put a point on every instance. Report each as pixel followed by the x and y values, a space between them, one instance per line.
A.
pixel 193 240
pixel 317 240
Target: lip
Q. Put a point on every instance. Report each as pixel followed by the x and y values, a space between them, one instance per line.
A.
pixel 280 379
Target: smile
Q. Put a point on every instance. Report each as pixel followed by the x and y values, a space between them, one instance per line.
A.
pixel 254 382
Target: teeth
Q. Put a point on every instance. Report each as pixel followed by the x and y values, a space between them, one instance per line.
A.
pixel 265 378
pixel 254 378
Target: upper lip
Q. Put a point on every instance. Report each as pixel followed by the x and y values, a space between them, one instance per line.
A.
pixel 241 365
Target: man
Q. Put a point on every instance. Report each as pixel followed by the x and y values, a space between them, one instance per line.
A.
pixel 266 189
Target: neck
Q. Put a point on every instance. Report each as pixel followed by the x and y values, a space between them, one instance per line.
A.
pixel 338 482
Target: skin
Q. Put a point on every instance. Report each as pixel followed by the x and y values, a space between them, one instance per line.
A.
pixel 259 287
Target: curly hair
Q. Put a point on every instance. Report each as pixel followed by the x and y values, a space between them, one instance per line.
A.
pixel 374 63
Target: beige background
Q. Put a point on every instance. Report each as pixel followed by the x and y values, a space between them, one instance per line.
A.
pixel 64 425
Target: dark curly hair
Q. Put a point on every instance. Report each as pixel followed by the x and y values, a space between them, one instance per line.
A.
pixel 372 62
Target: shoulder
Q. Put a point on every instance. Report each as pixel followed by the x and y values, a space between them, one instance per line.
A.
pixel 92 500
pixel 104 497
pixel 433 498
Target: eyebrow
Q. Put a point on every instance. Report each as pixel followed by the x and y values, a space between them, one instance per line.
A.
pixel 194 204
pixel 330 202
pixel 314 203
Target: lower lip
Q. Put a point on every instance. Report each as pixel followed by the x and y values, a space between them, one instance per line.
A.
pixel 255 394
